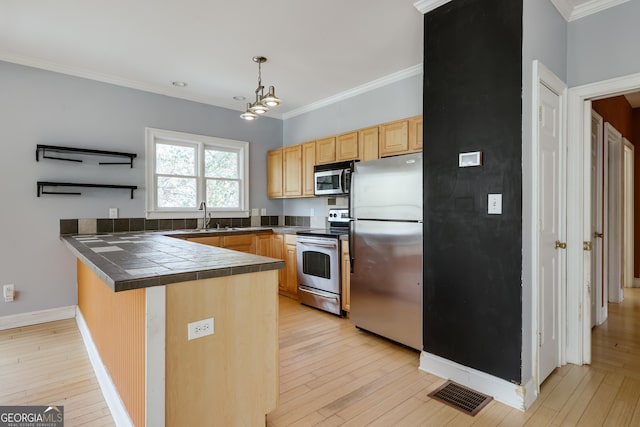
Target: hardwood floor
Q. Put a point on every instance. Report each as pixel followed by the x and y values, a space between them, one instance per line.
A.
pixel 47 364
pixel 335 375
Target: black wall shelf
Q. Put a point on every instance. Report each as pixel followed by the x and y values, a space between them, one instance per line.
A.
pixel 43 184
pixel 57 149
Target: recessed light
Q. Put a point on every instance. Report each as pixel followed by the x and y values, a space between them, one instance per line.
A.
pixel 179 84
pixel 240 98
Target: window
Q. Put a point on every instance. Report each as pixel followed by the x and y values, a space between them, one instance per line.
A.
pixel 184 169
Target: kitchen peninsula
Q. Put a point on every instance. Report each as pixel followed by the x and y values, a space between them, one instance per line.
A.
pixel 137 294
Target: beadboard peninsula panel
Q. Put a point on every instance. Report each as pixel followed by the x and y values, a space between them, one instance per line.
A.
pixel 117 324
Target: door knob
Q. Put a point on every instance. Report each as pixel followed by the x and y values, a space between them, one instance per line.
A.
pixel 598 235
pixel 561 245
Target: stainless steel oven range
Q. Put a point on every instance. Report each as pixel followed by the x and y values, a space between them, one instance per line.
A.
pixel 318 261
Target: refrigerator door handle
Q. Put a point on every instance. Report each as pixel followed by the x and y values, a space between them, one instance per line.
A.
pixel 352 255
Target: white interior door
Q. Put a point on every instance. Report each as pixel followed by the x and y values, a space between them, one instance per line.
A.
pixel 628 212
pixel 597 221
pixel 550 234
pixel 613 234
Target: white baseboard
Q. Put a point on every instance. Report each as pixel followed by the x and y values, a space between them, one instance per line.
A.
pixel 37 317
pixel 516 396
pixel 109 391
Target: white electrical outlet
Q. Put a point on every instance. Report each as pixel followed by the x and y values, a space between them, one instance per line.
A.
pixel 255 212
pixel 8 291
pixel 113 213
pixel 263 211
pixel 200 329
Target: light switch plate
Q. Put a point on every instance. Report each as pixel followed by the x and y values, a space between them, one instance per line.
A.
pixel 255 212
pixel 263 211
pixel 466 160
pixel 113 213
pixel 494 205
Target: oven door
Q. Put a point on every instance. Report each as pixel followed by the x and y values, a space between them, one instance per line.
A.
pixel 318 263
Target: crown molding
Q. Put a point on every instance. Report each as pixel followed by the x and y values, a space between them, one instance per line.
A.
pixel 571 12
pixel 374 84
pixel 166 91
pixel 426 6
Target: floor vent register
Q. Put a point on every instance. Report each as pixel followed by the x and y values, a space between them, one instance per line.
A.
pixel 464 399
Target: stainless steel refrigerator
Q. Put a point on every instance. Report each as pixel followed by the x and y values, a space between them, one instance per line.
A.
pixel 386 248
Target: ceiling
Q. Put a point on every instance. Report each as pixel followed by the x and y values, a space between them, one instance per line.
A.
pixel 315 50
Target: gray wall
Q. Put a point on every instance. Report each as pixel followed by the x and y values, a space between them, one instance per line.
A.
pixel 545 39
pixel 604 45
pixel 41 107
pixel 395 101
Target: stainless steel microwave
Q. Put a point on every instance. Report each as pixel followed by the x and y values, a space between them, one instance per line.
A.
pixel 332 179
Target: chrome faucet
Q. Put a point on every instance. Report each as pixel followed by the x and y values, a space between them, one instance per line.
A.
pixel 205 220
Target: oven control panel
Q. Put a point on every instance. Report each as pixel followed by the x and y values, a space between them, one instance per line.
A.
pixel 339 215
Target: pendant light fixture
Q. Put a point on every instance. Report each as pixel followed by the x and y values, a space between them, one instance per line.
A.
pixel 263 102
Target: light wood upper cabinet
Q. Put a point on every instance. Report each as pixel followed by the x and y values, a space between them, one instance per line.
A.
pixel 308 162
pixel 347 147
pixel 368 144
pixel 394 138
pixel 415 133
pixel 326 150
pixel 274 174
pixel 292 181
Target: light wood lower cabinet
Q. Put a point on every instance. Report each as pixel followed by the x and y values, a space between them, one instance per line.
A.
pixel 291 261
pixel 277 251
pixel 211 240
pixel 346 277
pixel 263 244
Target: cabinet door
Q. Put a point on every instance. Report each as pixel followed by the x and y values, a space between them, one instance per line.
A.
pixel 347 147
pixel 292 270
pixel 326 150
pixel 277 251
pixel 368 144
pixel 308 162
pixel 292 157
pixel 274 174
pixel 394 138
pixel 346 277
pixel 415 133
pixel 263 244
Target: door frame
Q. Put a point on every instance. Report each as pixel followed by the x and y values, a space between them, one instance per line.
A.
pixel 543 76
pixel 578 343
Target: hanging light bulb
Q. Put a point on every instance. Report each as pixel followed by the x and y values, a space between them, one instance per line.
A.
pixel 248 115
pixel 270 99
pixel 262 102
pixel 258 107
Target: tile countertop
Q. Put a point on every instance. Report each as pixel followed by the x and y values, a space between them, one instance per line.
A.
pixel 135 260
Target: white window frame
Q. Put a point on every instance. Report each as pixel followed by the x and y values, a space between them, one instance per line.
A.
pixel 159 136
